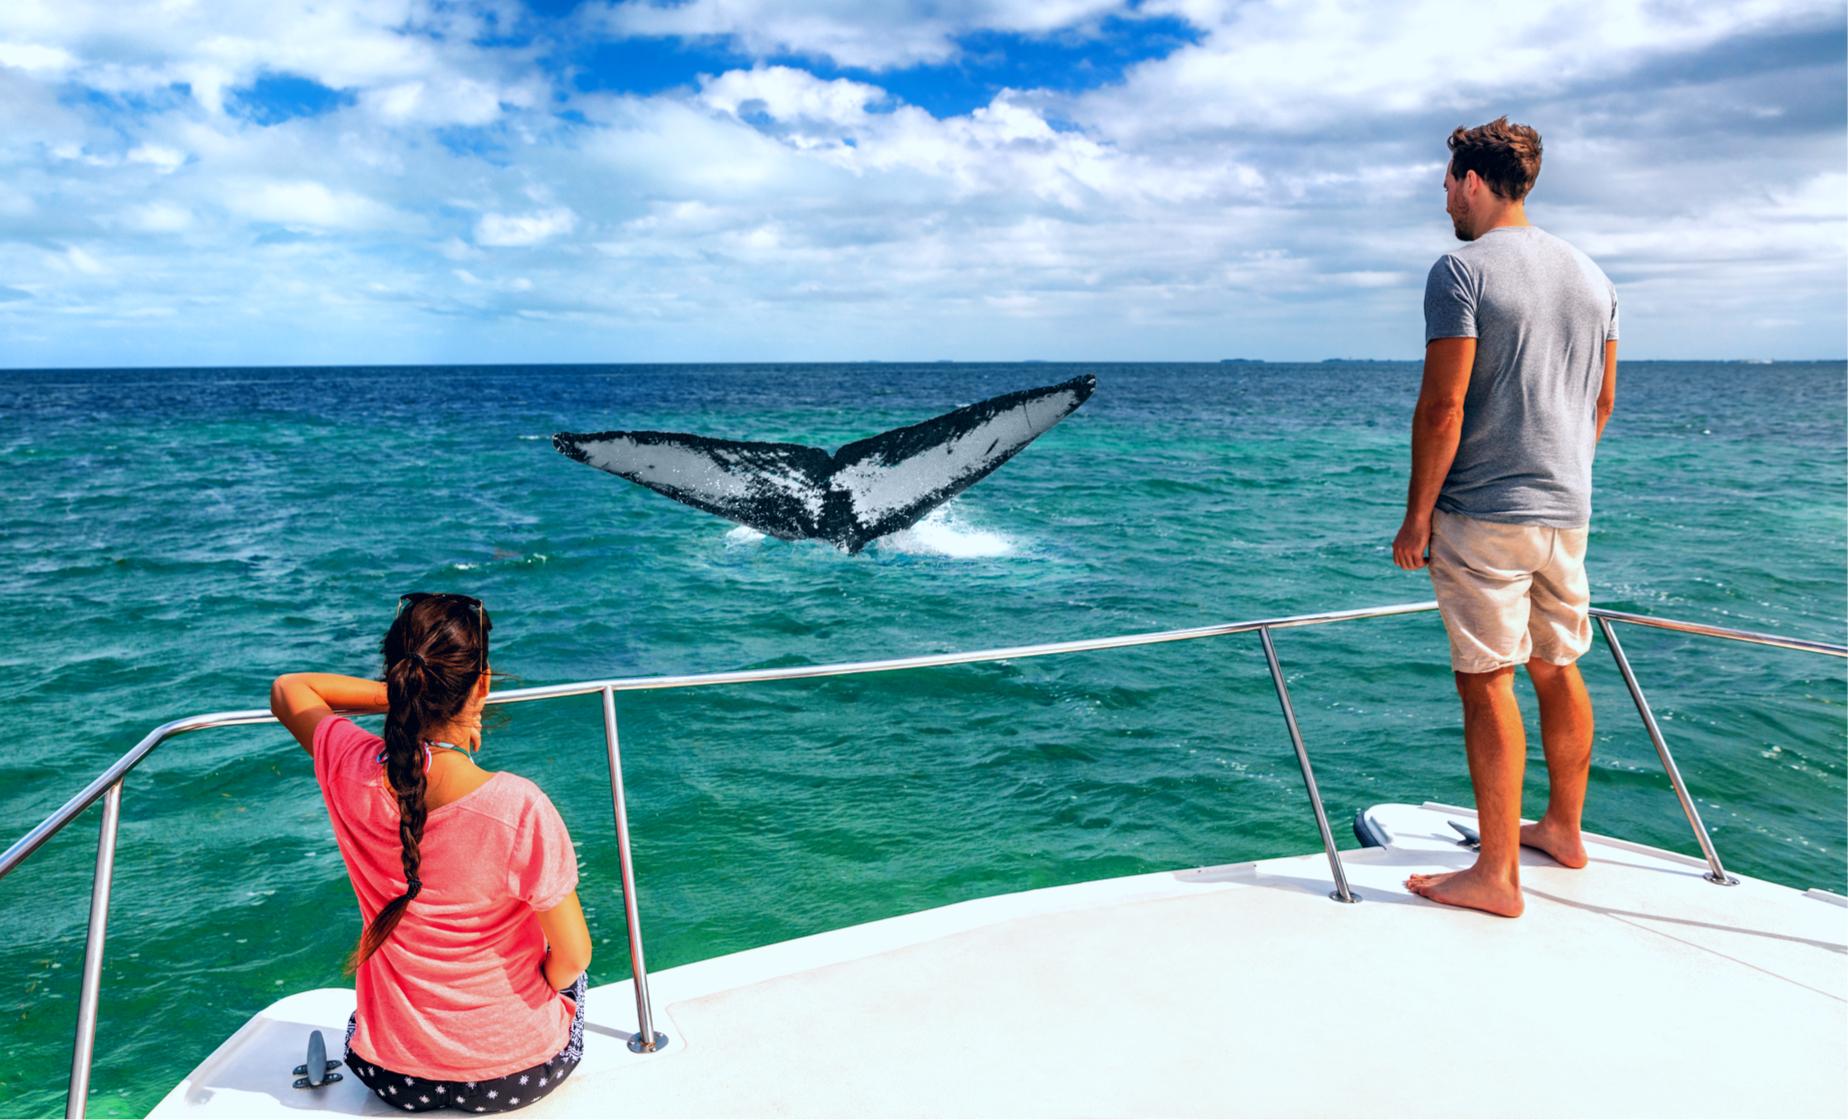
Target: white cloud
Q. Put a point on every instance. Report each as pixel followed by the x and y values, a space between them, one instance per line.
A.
pixel 846 32
pixel 77 259
pixel 509 230
pixel 305 204
pixel 411 59
pixel 1282 66
pixel 1818 198
pixel 790 94
pixel 36 59
pixel 454 100
pixel 1004 146
pixel 157 217
pixel 160 157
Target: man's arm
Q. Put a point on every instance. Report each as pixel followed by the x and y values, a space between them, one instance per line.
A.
pixel 1607 394
pixel 1437 425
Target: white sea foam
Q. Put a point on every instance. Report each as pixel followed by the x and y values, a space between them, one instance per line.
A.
pixel 742 535
pixel 942 534
pixel 501 556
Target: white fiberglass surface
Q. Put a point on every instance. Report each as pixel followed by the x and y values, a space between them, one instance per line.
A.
pixel 1233 990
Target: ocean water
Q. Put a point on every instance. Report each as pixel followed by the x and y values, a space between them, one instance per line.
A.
pixel 172 540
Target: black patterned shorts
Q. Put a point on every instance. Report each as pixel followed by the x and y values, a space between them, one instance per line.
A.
pixel 501 1094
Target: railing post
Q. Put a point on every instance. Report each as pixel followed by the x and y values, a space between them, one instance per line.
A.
pixel 77 1096
pixel 1715 872
pixel 1341 893
pixel 647 1040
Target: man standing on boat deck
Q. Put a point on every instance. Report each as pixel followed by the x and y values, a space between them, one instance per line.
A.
pixel 1520 375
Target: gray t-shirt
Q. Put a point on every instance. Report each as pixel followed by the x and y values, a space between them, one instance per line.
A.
pixel 1540 311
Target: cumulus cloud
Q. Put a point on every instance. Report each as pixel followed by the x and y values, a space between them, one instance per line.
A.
pixel 409 57
pixel 845 32
pixel 1271 66
pixel 76 259
pixel 157 217
pixel 790 94
pixel 158 156
pixel 305 204
pixel 36 58
pixel 452 100
pixel 512 230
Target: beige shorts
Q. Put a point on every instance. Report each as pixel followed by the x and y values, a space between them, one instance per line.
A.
pixel 1510 593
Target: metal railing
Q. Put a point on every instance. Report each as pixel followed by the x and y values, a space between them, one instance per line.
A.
pixel 108 784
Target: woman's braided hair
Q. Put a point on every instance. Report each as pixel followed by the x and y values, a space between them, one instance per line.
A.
pixel 435 651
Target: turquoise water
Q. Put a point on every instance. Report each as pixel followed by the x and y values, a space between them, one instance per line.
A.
pixel 170 541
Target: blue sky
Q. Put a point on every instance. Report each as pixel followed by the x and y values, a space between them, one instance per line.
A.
pixel 382 181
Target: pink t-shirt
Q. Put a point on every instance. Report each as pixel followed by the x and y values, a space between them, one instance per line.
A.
pixel 456 992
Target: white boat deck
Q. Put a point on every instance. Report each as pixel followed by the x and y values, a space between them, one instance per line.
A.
pixel 1630 988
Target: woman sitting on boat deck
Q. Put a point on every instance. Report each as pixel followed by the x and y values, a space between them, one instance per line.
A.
pixel 470 973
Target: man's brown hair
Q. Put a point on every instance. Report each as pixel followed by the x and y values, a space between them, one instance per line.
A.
pixel 1505 156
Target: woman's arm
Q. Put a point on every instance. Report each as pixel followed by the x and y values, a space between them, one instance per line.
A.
pixel 569 938
pixel 302 700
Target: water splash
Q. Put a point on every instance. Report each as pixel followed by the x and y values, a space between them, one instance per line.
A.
pixel 940 534
pixel 944 534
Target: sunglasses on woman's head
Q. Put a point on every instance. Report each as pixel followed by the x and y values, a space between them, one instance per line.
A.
pixel 406 602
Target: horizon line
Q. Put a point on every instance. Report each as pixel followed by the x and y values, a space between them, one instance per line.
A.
pixel 854 362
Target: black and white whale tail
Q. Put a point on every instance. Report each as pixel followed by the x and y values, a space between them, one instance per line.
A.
pixel 865 490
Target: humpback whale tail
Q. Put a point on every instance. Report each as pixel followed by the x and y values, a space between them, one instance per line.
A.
pixel 863 491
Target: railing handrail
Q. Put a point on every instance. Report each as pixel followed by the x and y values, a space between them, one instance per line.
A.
pixel 22 848
pixel 70 810
pixel 1752 637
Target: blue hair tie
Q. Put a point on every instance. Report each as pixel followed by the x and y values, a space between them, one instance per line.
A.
pixel 428 757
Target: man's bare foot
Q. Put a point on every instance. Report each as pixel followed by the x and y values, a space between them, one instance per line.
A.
pixel 1558 841
pixel 1472 888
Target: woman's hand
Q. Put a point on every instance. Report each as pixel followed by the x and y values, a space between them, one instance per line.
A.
pixel 302 700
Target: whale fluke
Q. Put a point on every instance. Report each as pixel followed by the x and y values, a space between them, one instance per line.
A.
pixel 863 491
